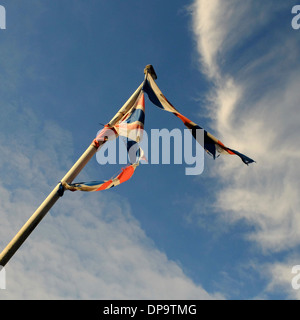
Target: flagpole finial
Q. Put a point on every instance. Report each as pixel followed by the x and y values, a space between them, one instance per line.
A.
pixel 149 69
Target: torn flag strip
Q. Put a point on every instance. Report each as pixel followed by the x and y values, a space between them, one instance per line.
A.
pixel 212 145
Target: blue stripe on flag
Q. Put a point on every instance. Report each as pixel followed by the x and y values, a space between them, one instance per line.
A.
pixel 152 96
pixel 137 115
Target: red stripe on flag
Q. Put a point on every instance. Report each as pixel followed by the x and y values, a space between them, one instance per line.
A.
pixel 126 174
pixel 105 185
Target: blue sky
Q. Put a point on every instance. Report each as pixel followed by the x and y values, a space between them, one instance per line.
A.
pixel 230 66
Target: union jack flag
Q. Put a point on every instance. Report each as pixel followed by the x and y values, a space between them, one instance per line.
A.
pixel 130 127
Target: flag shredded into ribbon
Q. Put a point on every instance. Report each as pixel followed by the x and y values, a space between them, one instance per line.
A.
pixel 125 175
pixel 212 145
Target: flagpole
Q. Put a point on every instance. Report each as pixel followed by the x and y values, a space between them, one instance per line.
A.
pixel 48 203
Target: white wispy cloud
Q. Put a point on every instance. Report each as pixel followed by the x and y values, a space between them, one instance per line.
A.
pixel 254 108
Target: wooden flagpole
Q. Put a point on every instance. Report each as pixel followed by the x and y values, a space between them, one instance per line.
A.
pixel 43 209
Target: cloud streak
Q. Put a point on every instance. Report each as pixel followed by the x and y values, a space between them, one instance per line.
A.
pixel 254 107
